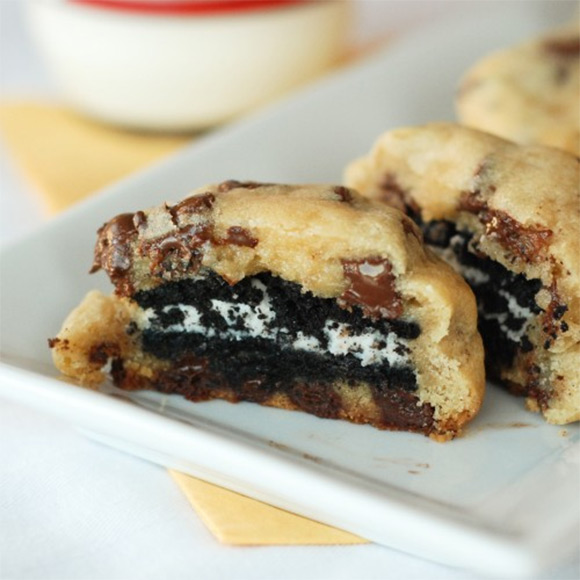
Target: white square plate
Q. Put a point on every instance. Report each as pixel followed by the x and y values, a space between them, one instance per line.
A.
pixel 502 499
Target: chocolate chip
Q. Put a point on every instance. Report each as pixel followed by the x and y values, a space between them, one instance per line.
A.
pixel 238 236
pixel 191 205
pixel 62 343
pixel 226 186
pixel 101 352
pixel 371 285
pixel 563 47
pixel 523 242
pixel 344 194
pixel 392 193
pixel 113 252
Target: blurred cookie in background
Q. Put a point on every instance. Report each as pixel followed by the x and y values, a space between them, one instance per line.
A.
pixel 529 93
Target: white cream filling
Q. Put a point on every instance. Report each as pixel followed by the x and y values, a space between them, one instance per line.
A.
pixel 365 347
pixel 515 310
pixel 245 321
pixel 255 320
pixel 191 319
pixel 474 275
pixel 305 342
pixel 477 277
pixel 515 335
pixel 471 274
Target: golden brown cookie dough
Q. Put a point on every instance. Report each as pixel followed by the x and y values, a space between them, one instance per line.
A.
pixel 508 218
pixel 529 93
pixel 300 297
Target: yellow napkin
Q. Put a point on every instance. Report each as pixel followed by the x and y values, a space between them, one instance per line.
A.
pixel 68 157
pixel 237 519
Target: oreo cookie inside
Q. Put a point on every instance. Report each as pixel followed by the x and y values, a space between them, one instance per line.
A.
pixel 264 335
pixel 506 300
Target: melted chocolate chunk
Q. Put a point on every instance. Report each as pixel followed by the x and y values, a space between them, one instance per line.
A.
pixel 226 186
pixel 343 193
pixel 113 252
pixel 410 229
pixel 393 194
pixel 401 409
pixel 117 242
pixel 523 242
pixel 63 343
pixel 238 236
pixel 139 220
pixel 318 399
pixel 178 252
pixel 372 287
pixel 195 204
pixel 564 47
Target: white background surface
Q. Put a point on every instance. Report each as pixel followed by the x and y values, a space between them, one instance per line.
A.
pixel 70 508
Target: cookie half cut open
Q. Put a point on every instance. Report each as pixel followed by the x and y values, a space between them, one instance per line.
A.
pixel 508 218
pixel 301 297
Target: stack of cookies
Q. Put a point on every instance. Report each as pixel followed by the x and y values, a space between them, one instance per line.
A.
pixel 366 302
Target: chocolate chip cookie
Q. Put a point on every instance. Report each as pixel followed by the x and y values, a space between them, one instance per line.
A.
pixel 508 218
pixel 309 298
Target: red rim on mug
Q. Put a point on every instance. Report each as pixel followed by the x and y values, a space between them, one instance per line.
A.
pixel 188 7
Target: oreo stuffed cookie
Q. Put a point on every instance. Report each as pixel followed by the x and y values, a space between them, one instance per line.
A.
pixel 508 218
pixel 529 93
pixel 308 298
